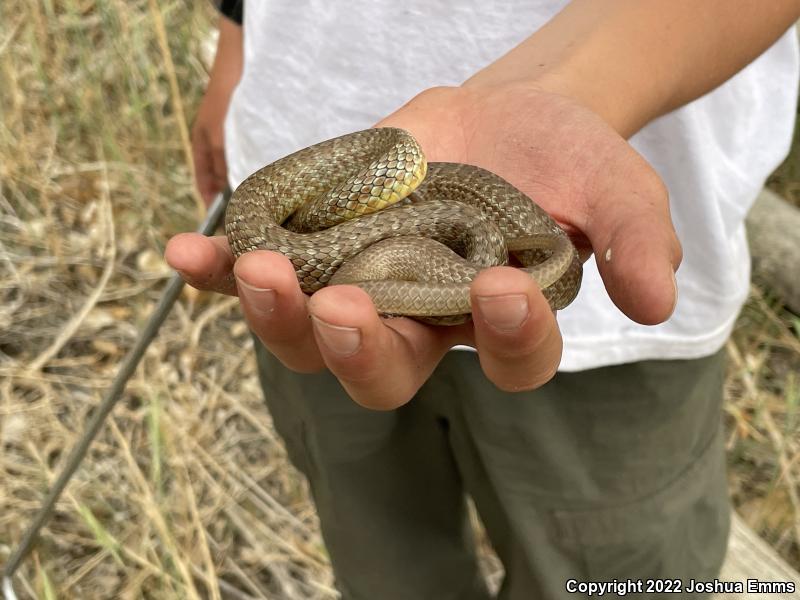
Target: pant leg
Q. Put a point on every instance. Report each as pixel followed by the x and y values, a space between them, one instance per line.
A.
pixel 390 500
pixel 613 473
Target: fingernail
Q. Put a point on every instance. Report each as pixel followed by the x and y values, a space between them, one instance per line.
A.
pixel 504 313
pixel 261 300
pixel 344 341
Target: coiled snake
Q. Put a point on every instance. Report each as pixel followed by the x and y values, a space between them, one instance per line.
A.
pixel 366 209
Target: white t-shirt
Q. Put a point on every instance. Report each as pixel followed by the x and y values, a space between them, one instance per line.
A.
pixel 318 69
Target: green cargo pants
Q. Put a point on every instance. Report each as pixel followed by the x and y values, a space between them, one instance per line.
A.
pixel 611 473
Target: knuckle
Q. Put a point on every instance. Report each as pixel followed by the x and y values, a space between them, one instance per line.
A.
pixel 516 349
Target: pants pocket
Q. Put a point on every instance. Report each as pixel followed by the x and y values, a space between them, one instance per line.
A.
pixel 678 533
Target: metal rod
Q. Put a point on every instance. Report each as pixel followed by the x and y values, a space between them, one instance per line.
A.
pixel 114 393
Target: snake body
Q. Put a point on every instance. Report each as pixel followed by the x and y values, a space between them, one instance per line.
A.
pixel 366 209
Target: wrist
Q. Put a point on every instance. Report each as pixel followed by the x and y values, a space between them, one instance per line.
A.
pixel 619 100
pixel 589 69
pixel 630 61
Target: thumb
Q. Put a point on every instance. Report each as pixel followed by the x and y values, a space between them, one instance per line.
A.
pixel 636 248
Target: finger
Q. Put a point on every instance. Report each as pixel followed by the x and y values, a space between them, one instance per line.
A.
pixel 381 363
pixel 275 309
pixel 637 253
pixel 219 165
pixel 636 248
pixel 518 341
pixel 208 182
pixel 205 263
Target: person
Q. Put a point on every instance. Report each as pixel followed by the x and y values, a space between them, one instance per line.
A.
pixel 646 129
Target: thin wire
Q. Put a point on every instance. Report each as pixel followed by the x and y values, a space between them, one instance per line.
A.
pixel 114 393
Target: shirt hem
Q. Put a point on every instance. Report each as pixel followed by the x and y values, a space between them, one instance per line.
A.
pixel 582 355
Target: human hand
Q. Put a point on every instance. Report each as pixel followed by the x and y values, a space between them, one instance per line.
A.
pixel 208 137
pixel 380 362
pixel 208 149
pixel 575 166
pixel 555 150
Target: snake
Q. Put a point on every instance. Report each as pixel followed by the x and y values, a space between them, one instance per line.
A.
pixel 367 209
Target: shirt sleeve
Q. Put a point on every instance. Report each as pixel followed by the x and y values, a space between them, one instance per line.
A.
pixel 231 9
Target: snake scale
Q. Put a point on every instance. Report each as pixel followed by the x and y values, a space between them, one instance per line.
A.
pixel 366 209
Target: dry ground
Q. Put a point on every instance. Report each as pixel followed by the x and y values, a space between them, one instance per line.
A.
pixel 187 492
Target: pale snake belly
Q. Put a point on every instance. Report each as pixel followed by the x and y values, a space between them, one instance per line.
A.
pixel 366 209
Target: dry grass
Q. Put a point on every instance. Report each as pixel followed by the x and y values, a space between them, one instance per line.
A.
pixel 763 409
pixel 188 492
pixel 786 178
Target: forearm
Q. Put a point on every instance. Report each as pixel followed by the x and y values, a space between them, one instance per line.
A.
pixel 208 135
pixel 633 60
pixel 229 59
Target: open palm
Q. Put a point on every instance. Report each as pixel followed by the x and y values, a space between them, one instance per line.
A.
pixel 552 148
